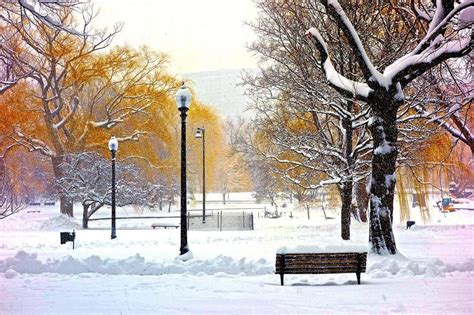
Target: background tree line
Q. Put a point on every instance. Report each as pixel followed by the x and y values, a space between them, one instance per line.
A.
pixel 66 89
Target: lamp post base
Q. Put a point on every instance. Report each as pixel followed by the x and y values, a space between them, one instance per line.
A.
pixel 184 250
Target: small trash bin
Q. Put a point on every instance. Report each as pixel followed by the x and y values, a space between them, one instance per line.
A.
pixel 67 237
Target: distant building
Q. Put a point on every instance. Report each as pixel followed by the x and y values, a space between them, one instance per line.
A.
pixel 220 89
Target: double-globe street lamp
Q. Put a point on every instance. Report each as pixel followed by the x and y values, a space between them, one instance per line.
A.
pixel 201 133
pixel 113 147
pixel 183 100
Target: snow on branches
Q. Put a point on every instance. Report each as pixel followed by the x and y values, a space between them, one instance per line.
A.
pixel 436 46
pixel 449 35
pixel 86 177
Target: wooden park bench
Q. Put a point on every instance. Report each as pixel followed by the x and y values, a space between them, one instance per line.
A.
pixel 301 262
pixel 164 225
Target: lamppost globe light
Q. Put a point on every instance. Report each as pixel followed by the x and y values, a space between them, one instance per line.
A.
pixel 113 144
pixel 183 97
pixel 199 133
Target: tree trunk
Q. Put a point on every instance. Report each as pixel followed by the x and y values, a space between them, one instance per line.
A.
pixel 65 203
pixel 346 196
pixel 382 185
pixel 360 200
pixel 324 212
pixel 346 189
pixel 66 206
pixel 85 216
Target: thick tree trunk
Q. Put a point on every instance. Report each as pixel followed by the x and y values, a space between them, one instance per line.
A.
pixel 382 185
pixel 346 197
pixel 65 203
pixel 85 216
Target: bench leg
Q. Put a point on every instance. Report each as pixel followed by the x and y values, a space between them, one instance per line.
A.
pixel 358 277
pixel 281 277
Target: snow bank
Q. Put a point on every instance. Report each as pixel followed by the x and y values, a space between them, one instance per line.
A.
pixel 332 248
pixel 10 274
pixel 398 267
pixel 59 222
pixel 24 262
pixel 220 266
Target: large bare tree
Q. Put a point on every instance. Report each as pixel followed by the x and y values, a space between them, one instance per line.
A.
pixel 315 132
pixel 448 35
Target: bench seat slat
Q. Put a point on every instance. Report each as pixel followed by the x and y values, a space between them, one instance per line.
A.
pixel 320 262
pixel 320 272
pixel 316 265
pixel 321 256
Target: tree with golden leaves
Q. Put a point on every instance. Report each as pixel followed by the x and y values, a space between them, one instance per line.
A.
pixel 80 94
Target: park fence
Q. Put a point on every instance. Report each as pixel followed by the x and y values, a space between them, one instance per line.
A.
pixel 219 221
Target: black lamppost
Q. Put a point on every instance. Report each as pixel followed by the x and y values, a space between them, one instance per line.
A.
pixel 113 147
pixel 183 100
pixel 201 133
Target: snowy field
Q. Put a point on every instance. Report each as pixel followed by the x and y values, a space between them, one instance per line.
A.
pixel 231 272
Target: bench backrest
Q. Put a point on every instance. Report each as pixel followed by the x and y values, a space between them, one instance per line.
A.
pixel 321 263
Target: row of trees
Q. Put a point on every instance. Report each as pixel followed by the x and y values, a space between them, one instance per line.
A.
pixel 326 112
pixel 65 90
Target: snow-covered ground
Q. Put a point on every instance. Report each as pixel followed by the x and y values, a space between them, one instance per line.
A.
pixel 231 272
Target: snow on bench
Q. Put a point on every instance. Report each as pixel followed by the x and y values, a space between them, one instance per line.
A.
pixel 164 225
pixel 344 258
pixel 330 248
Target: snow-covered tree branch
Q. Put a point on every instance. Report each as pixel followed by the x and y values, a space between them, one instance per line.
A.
pixel 87 178
pixel 447 37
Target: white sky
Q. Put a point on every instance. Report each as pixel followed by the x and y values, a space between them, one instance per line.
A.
pixel 198 35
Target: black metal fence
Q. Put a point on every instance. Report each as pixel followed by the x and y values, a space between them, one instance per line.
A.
pixel 222 221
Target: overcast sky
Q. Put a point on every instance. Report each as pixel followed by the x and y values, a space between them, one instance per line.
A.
pixel 198 35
